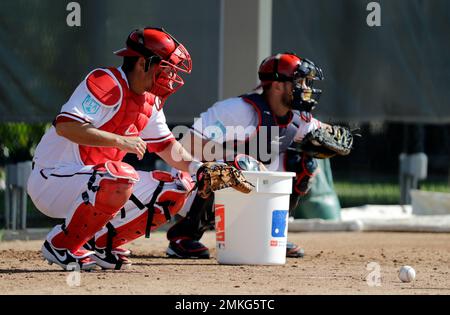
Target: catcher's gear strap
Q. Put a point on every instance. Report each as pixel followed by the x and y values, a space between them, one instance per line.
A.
pixel 150 207
pixel 163 177
pixel 134 227
pixel 111 233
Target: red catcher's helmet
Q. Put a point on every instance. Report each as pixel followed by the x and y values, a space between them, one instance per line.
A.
pixel 288 67
pixel 158 46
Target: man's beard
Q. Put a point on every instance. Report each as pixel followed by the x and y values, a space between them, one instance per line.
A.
pixel 288 101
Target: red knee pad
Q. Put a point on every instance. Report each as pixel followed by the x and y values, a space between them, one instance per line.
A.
pixel 114 193
pixel 121 170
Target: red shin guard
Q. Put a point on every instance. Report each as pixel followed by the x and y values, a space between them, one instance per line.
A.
pixel 172 199
pixel 88 219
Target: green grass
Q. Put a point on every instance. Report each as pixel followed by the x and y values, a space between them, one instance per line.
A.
pixel 357 193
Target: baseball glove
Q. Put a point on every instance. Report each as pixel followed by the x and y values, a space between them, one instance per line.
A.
pixel 212 176
pixel 324 143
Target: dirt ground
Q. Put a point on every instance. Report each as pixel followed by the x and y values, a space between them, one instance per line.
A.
pixel 335 263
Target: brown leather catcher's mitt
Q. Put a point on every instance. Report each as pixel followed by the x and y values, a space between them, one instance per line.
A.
pixel 212 176
pixel 323 143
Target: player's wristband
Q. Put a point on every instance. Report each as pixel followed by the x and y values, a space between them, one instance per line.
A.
pixel 194 166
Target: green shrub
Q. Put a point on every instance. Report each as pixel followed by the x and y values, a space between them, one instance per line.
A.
pixel 19 140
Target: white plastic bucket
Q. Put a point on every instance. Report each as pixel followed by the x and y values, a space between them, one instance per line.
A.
pixel 252 228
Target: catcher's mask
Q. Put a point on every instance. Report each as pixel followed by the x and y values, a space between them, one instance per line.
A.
pixel 159 47
pixel 300 71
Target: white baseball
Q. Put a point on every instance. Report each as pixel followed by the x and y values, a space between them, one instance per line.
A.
pixel 407 274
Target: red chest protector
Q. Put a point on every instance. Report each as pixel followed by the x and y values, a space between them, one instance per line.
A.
pixel 131 118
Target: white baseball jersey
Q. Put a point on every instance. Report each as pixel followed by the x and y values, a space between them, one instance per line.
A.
pixel 234 118
pixel 54 150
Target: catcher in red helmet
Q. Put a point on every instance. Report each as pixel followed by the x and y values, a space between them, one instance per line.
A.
pixel 160 55
pixel 285 104
pixel 293 70
pixel 78 173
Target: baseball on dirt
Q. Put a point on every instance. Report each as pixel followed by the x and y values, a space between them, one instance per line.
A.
pixel 407 274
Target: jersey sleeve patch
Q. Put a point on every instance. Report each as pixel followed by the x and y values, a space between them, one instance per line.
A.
pixel 104 87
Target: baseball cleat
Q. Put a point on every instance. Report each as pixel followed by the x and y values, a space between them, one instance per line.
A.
pixel 121 251
pixel 294 251
pixel 65 259
pixel 110 259
pixel 187 248
pixel 90 245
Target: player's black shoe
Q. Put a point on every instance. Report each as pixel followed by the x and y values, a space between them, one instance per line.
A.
pixel 187 248
pixel 110 259
pixel 294 251
pixel 69 261
pixel 90 245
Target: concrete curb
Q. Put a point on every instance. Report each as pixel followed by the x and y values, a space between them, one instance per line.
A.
pixel 430 224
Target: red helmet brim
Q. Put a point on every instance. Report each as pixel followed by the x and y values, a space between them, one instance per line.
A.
pixel 127 52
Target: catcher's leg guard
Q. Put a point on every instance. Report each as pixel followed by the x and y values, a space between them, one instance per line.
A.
pixel 199 219
pixel 111 194
pixel 304 166
pixel 305 173
pixel 184 235
pixel 159 211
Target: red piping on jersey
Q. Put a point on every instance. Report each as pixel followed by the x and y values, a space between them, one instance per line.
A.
pixel 155 139
pixel 66 113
